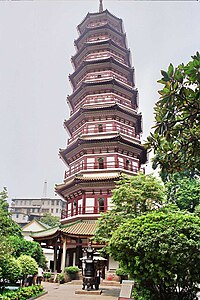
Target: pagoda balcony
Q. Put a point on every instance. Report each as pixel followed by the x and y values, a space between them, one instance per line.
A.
pixel 98 77
pixel 102 23
pixel 101 55
pixel 95 57
pixel 101 167
pixel 107 98
pixel 84 210
pixel 104 128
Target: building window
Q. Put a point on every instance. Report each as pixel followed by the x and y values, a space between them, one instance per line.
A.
pixel 17 216
pixel 101 162
pixel 101 204
pixel 52 210
pixel 100 126
pixel 52 202
pixel 56 210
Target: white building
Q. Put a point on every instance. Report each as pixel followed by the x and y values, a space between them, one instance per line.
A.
pixel 25 210
pixel 37 226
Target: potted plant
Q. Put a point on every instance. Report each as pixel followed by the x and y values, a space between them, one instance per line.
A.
pixel 61 278
pixel 123 275
pixel 72 272
pixel 47 276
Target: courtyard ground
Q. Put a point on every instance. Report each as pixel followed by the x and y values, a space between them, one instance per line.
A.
pixel 67 292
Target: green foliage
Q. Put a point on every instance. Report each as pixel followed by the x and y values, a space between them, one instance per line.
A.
pixel 47 275
pixel 21 246
pixel 184 191
pixel 7 225
pixel 197 210
pixel 121 272
pixel 71 270
pixel 176 139
pixel 161 252
pixel 24 293
pixel 11 269
pixel 28 265
pixel 60 278
pixel 141 293
pixel 50 220
pixel 132 196
pixel 3 202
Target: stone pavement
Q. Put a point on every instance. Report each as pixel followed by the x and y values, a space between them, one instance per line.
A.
pixel 67 292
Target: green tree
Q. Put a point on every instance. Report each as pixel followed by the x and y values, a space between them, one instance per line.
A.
pixel 184 191
pixel 11 269
pixel 132 196
pixel 3 201
pixel 176 139
pixel 50 220
pixel 161 251
pixel 28 266
pixel 21 246
pixel 7 225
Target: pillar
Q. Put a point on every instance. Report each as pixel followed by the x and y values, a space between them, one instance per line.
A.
pixel 63 261
pixel 55 259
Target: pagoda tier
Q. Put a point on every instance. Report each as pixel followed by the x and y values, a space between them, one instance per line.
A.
pixel 104 125
pixel 106 48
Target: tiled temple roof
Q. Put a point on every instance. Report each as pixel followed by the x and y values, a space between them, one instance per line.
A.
pixel 79 228
pixel 85 227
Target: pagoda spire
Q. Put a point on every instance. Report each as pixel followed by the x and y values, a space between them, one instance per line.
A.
pixel 100 6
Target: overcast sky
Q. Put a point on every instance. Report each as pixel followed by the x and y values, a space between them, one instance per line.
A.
pixel 36 44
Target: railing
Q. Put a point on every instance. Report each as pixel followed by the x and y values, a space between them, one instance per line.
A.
pixel 103 99
pixel 98 77
pixel 103 166
pixel 83 210
pixel 108 127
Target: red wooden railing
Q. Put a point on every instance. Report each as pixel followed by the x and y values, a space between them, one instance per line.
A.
pixel 83 210
pixel 106 127
pixel 97 166
pixel 108 98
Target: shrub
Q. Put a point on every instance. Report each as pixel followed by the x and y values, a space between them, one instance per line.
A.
pixel 28 266
pixel 161 252
pixel 121 272
pixel 12 271
pixel 24 293
pixel 47 275
pixel 71 270
pixel 61 277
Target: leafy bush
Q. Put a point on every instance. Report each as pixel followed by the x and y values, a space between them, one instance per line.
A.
pixel 21 246
pixel 71 270
pixel 12 271
pixel 47 275
pixel 121 272
pixel 28 266
pixel 24 293
pixel 161 252
pixel 61 277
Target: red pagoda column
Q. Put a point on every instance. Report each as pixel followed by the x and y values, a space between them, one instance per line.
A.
pixel 104 125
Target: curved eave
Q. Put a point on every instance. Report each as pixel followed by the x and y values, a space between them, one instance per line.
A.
pixel 83 110
pixel 78 180
pixel 89 15
pixel 44 234
pixel 81 141
pixel 99 28
pixel 112 82
pixel 99 43
pixel 86 63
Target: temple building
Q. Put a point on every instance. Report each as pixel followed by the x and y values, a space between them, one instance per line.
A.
pixel 104 128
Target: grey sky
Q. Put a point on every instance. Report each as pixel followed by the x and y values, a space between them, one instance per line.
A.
pixel 36 44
